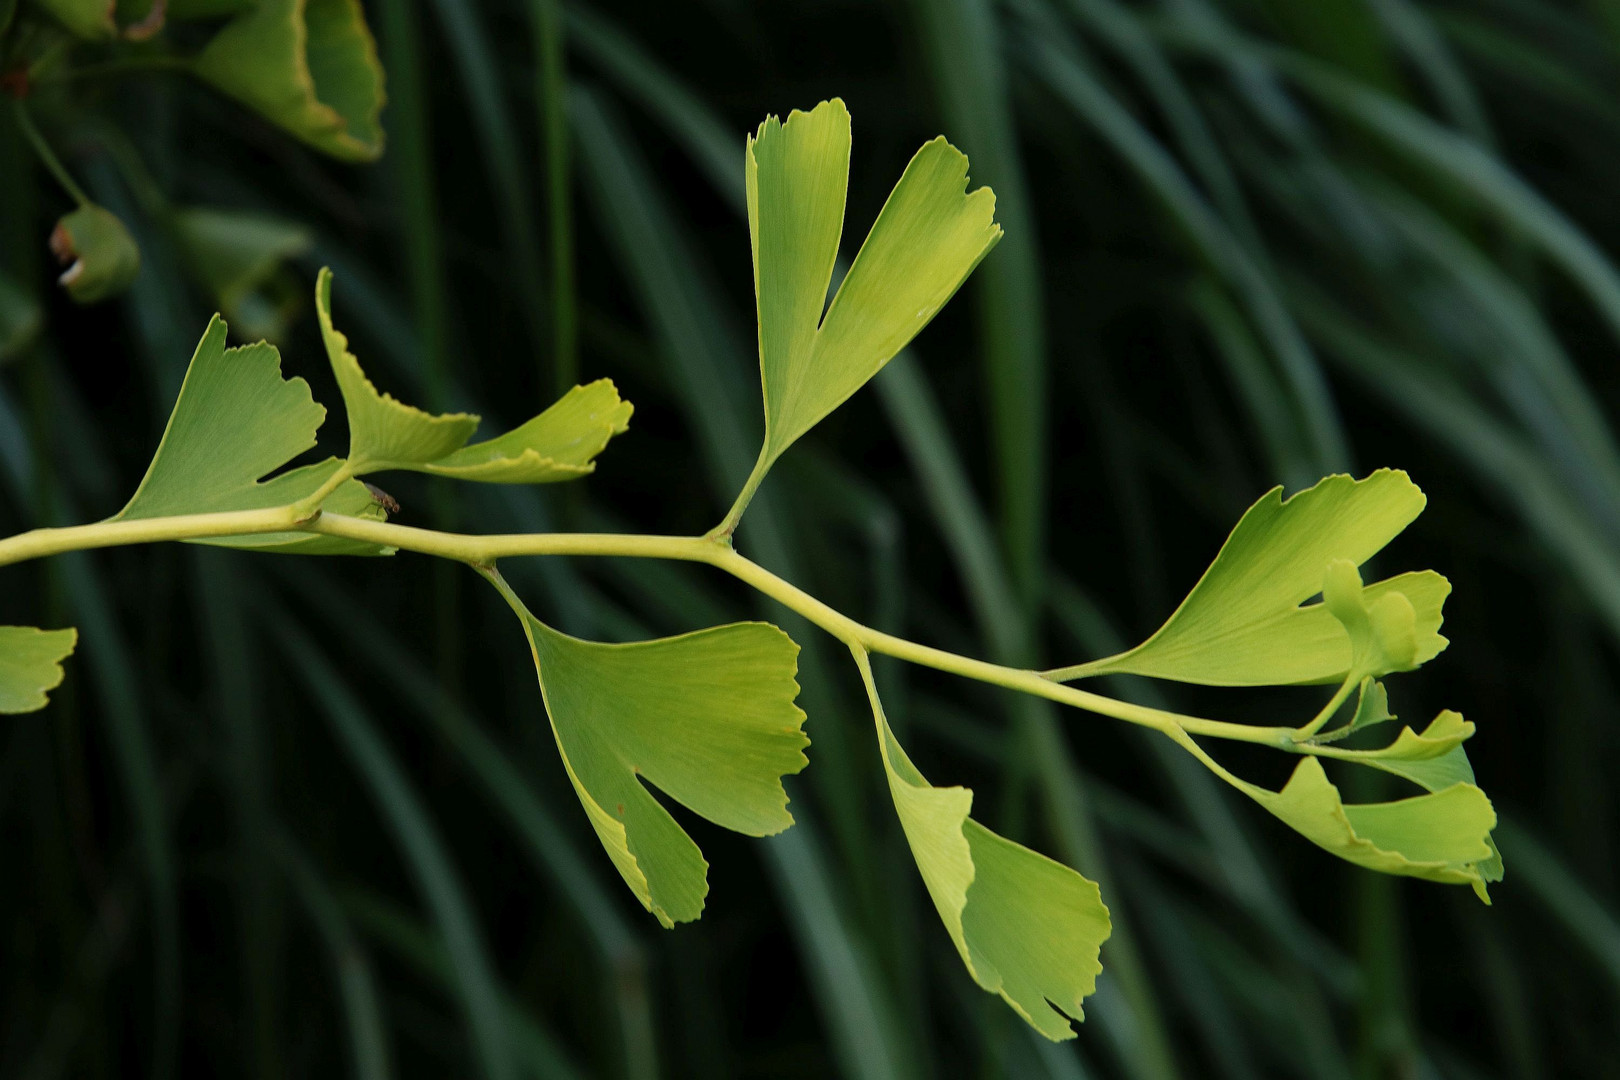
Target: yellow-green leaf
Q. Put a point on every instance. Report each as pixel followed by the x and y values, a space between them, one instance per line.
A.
pixel 384 433
pixel 1383 632
pixel 1443 836
pixel 927 239
pixel 1028 928
pixel 235 422
pixel 708 718
pixel 30 664
pixel 1246 622
pixel 559 444
pixel 1434 760
pixel 309 66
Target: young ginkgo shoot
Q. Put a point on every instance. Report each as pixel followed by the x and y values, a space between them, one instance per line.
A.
pixel 709 718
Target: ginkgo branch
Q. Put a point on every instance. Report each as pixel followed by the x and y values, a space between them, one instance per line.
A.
pixel 486 550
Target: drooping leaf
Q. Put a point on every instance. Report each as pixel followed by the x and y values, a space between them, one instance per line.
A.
pixel 237 420
pixel 1246 622
pixel 309 66
pixel 239 259
pixel 559 444
pixel 1028 928
pixel 708 718
pixel 1434 760
pixel 30 664
pixel 101 257
pixel 927 239
pixel 1443 836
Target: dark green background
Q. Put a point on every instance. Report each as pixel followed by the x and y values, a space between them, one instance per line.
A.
pixel 286 808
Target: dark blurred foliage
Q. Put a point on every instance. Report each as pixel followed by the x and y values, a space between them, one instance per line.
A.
pixel 298 817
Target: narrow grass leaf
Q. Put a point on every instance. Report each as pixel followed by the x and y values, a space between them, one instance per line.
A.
pixel 473 974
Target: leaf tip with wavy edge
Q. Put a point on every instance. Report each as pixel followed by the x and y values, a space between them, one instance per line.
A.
pixel 31 665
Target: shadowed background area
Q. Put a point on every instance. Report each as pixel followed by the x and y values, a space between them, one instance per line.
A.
pixel 302 817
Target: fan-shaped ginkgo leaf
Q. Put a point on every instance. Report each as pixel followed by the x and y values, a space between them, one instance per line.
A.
pixel 1028 928
pixel 384 433
pixel 30 664
pixel 237 420
pixel 708 718
pixel 927 239
pixel 1246 622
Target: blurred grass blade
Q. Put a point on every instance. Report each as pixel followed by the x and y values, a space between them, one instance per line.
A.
pixel 535 1049
pixel 963 44
pixel 1453 157
pixel 643 79
pixel 112 670
pixel 497 135
pixel 1592 924
pixel 553 848
pixel 238 690
pixel 861 1020
pixel 1317 418
pixel 419 844
pixel 551 102
pixel 362 1009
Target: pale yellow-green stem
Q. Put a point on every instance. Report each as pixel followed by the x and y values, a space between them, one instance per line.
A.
pixel 308 505
pixel 728 524
pixel 484 551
